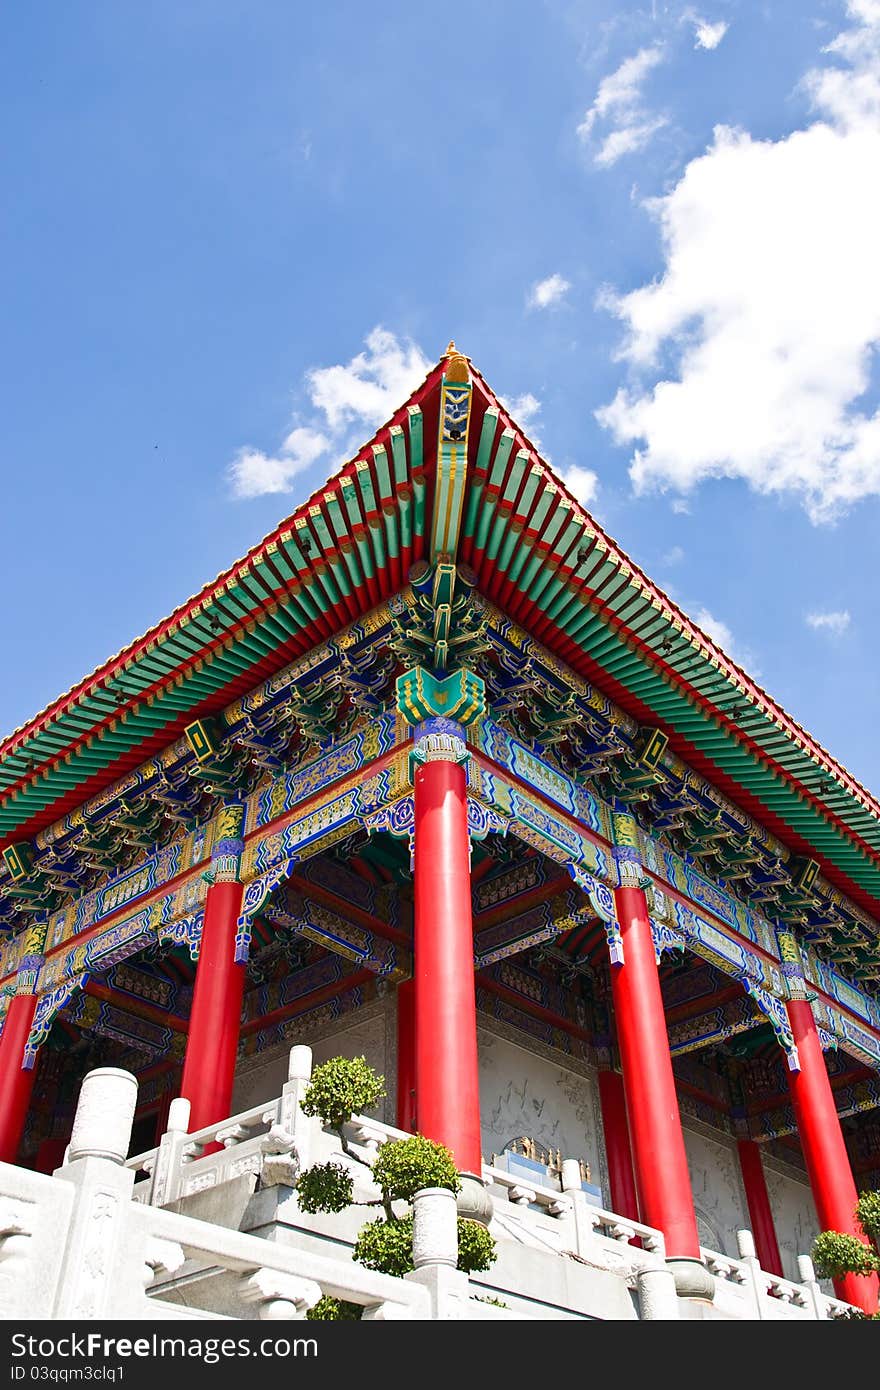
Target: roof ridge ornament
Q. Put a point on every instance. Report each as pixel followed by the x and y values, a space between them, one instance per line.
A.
pixel 456 364
pixel 456 393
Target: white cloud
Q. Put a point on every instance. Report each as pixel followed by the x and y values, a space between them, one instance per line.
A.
pixel 372 385
pixel 523 408
pixel 627 140
pixel 759 334
pixel 680 506
pixel 619 107
pixel 620 91
pixel 582 483
pixel 363 393
pixel 546 293
pixel 723 637
pixel 835 622
pixel 709 35
pixel 674 556
pixel 253 473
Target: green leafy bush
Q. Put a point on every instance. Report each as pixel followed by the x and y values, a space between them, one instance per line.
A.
pixel 329 1309
pixel 836 1254
pixel 404 1166
pixel 386 1245
pixel 340 1088
pixel 325 1187
pixel 476 1247
pixel 868 1212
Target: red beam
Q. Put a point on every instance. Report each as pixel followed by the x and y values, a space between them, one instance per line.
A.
pixel 349 910
pixel 135 1007
pixel 704 1096
pixel 705 1004
pixel 844 1078
pixel 307 1001
pixel 529 1007
pixel 522 902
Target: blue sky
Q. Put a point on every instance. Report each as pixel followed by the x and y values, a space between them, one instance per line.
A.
pixel 234 232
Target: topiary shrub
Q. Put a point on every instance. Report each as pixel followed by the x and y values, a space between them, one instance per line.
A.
pixel 340 1088
pixel 868 1212
pixel 404 1166
pixel 836 1254
pixel 329 1309
pixel 325 1187
pixel 476 1247
pixel 386 1245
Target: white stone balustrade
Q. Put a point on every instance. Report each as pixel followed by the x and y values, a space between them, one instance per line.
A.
pixel 92 1237
pixel 78 1246
pixel 769 1296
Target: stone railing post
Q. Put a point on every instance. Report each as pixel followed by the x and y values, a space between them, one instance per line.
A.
pixel 584 1234
pixel 104 1115
pixel 807 1276
pixel 435 1233
pixel 658 1300
pixel 174 1148
pixel 435 1252
pixel 97 1279
pixel 291 1122
pixel 756 1279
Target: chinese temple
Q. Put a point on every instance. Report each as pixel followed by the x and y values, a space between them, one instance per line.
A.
pixel 437 776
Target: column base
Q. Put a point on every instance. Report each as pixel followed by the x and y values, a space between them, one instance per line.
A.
pixel 692 1279
pixel 474 1202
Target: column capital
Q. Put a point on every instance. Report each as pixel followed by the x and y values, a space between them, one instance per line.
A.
pixel 228 846
pixel 792 965
pixel 439 740
pixel 32 955
pixel 627 848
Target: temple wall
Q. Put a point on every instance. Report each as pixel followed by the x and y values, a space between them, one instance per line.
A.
pixel 793 1213
pixel 525 1094
pixel 719 1200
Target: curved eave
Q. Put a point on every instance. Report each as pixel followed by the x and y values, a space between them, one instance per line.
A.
pixel 342 552
pixel 539 556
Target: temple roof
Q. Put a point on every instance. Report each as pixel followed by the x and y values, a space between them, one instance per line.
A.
pixel 536 554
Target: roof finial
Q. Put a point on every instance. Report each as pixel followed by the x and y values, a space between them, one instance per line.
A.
pixel 456 364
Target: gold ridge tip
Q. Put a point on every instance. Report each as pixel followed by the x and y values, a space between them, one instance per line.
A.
pixel 456 364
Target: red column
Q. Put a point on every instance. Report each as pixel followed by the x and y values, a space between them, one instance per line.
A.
pixel 209 1066
pixel 831 1179
pixel 618 1152
pixel 16 1084
pixel 758 1199
pixel 406 1056
pixel 445 1005
pixel 662 1175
